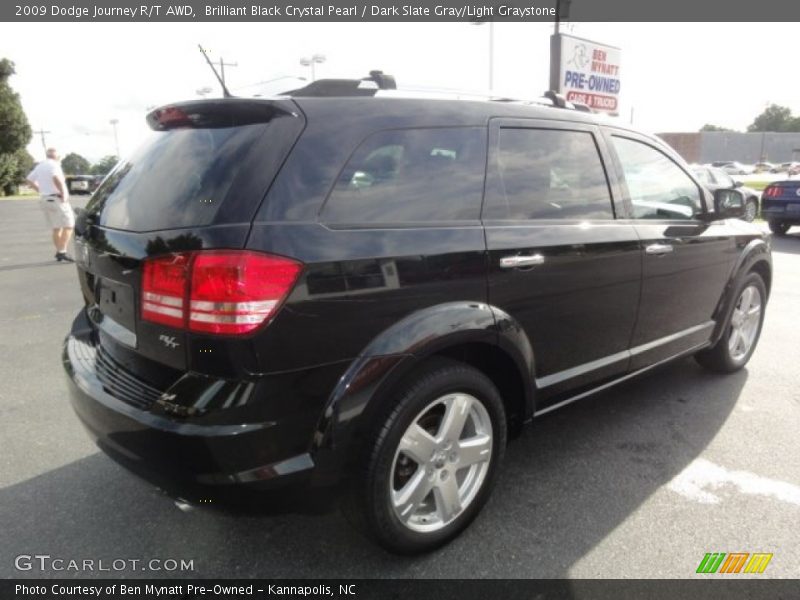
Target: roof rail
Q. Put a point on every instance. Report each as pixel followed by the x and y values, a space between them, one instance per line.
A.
pixel 377 80
pixel 379 83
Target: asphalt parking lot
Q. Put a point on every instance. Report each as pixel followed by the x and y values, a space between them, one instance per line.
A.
pixel 638 481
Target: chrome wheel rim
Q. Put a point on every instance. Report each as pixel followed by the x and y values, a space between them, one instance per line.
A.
pixel 441 462
pixel 745 322
pixel 750 211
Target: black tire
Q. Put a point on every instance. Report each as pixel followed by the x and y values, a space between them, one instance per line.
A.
pixel 719 358
pixel 370 503
pixel 751 210
pixel 778 227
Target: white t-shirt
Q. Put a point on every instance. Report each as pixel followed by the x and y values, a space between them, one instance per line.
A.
pixel 43 174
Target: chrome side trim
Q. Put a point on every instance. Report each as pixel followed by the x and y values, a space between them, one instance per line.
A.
pixel 582 369
pixel 600 388
pixel 671 338
pixel 619 356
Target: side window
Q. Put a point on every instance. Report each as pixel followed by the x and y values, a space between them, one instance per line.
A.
pixel 659 188
pixel 412 176
pixel 548 174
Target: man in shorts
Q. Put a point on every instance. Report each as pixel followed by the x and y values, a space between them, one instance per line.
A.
pixel 47 178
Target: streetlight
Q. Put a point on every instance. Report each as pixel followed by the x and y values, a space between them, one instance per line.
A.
pixel 203 91
pixel 491 50
pixel 113 123
pixel 316 59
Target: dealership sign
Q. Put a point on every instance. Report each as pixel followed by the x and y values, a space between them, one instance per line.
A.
pixel 588 72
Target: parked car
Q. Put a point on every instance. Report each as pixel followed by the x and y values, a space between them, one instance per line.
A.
pixel 781 205
pixel 786 167
pixel 736 168
pixel 763 167
pixel 82 184
pixel 372 294
pixel 714 179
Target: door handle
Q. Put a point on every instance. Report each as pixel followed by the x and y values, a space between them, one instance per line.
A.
pixel 513 262
pixel 659 249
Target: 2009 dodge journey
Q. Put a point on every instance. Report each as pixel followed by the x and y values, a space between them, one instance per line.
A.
pixel 352 287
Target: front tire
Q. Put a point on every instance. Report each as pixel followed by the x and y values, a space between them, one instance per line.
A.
pixel 434 459
pixel 779 228
pixel 751 210
pixel 742 328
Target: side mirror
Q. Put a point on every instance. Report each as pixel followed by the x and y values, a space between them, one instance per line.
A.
pixel 737 184
pixel 729 204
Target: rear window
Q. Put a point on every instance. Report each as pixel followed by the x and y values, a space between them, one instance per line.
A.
pixel 178 178
pixel 412 176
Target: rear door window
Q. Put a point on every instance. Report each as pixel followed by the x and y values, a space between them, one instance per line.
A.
pixel 548 174
pixel 412 176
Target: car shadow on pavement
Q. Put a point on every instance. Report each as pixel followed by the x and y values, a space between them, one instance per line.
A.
pixel 568 481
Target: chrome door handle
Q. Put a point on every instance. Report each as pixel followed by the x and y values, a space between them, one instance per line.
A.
pixel 513 262
pixel 659 249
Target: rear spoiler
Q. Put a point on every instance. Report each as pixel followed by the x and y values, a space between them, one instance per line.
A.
pixel 218 112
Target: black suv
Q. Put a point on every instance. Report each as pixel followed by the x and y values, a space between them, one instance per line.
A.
pixel 364 291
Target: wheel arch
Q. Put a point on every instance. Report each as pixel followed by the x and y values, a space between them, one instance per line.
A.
pixel 754 258
pixel 475 333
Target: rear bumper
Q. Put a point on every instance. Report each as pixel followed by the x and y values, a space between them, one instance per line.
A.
pixel 771 211
pixel 197 460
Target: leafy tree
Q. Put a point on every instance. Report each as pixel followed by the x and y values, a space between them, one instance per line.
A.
pixel 24 165
pixel 104 165
pixel 15 131
pixel 775 118
pixel 75 164
pixel 710 127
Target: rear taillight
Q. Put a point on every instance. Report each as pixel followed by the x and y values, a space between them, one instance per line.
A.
pixel 164 289
pixel 216 291
pixel 772 192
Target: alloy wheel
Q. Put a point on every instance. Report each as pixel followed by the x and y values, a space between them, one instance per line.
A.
pixel 745 322
pixel 441 462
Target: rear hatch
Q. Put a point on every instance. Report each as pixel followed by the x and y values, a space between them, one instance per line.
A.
pixel 782 196
pixel 192 187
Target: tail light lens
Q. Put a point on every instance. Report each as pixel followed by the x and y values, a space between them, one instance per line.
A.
pixel 772 192
pixel 225 292
pixel 164 290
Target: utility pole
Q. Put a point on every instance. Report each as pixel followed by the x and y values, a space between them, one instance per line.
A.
pixel 113 123
pixel 221 79
pixel 41 132
pixel 222 65
pixel 562 12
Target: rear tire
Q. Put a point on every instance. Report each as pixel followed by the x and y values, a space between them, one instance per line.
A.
pixel 779 228
pixel 432 460
pixel 742 328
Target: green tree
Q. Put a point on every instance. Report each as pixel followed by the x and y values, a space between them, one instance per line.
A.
pixel 710 127
pixel 24 165
pixel 104 165
pixel 775 118
pixel 15 132
pixel 75 164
